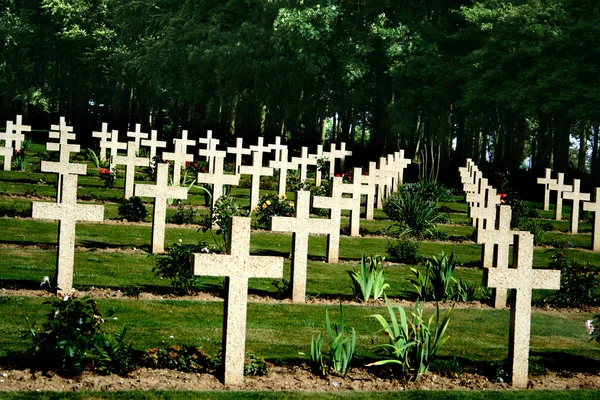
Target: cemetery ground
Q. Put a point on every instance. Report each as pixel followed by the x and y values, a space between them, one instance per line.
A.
pixel 113 266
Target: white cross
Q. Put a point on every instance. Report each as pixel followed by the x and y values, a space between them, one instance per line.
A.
pixel 595 208
pixel 67 212
pixel 211 153
pixel 380 180
pixel 334 154
pixel 256 170
pixel 317 156
pixel 7 150
pixel 522 278
pixel 218 179
pixel 153 143
pixel 283 165
pixel 137 136
pixel 179 157
pixel 160 192
pixel 500 237
pixel 559 187
pixel 103 135
pixel 114 146
pixel 367 187
pixel 239 151
pixel 237 266
pixel 303 162
pixel 301 226
pixel 546 181
pixel 576 196
pixel 131 160
pixel 18 128
pixel 279 149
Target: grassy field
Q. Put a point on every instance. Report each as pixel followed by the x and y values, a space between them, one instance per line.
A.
pixel 115 255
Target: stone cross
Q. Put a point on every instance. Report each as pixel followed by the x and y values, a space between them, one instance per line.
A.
pixel 218 179
pixel 137 136
pixel 256 170
pixel 260 148
pixel 303 162
pixel 212 154
pixel 484 215
pixel 103 135
pixel 114 146
pixel 335 203
pixel 500 237
pixel 467 172
pixel 239 151
pixel 67 212
pixel 577 197
pixel 279 149
pixel 283 165
pixel 334 154
pixel 401 164
pixel 560 187
pixel 476 200
pixel 318 155
pixel 179 156
pixel 17 130
pixel 521 278
pixel 237 266
pixel 160 192
pixel 356 189
pixel 367 187
pixel 6 151
pixel 546 181
pixel 301 226
pixel 153 143
pixel 595 208
pixel 380 180
pixel 473 185
pixel 62 167
pixel 131 160
pixel 386 176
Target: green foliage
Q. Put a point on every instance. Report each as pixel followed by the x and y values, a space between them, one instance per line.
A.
pixel 92 156
pixel 70 336
pixel 132 291
pixel 405 251
pixel 113 353
pixel 413 211
pixel 293 182
pixel 132 209
pixel 181 358
pixel 578 282
pixel 176 265
pixel 255 365
pixel 369 281
pixel 283 288
pixel 225 208
pixel 435 281
pixel 538 229
pixel 413 344
pixel 464 291
pixel 185 214
pixel 20 163
pixel 271 205
pixel 341 348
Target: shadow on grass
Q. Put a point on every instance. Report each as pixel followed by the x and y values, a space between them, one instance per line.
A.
pixel 21 284
pixel 92 244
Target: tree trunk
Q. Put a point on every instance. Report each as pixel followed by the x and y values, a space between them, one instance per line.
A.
pixel 583 146
pixel 562 131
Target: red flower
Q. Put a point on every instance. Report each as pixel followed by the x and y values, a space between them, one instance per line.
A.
pixel 104 171
pixel 187 164
pixel 502 196
pixel 338 175
pixel 202 169
pixel 366 173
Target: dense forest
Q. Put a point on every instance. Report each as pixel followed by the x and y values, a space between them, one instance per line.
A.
pixel 497 81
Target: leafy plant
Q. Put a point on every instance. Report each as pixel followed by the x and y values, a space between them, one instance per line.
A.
pixel 20 163
pixel 132 209
pixel 464 291
pixel 578 282
pixel 294 183
pixel 132 291
pixel 93 157
pixel 405 251
pixel 185 214
pixel 271 205
pixel 590 326
pixel 435 281
pixel 283 288
pixel 316 355
pixel 255 365
pixel 181 358
pixel 369 281
pixel 421 283
pixel 413 344
pixel 225 208
pixel 69 335
pixel 537 228
pixel 108 177
pixel 413 212
pixel 113 353
pixel 176 265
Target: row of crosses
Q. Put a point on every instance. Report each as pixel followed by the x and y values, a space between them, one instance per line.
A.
pixel 492 222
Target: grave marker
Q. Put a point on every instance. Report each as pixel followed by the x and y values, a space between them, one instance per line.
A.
pixel 256 170
pixel 239 151
pixel 7 151
pixel 303 162
pixel 334 154
pixel 67 212
pixel 212 154
pixel 130 161
pixel 559 187
pixel 301 226
pixel 317 156
pixel 153 143
pixel 180 156
pixel 114 146
pixel 103 135
pixel 218 179
pixel 237 266
pixel 595 208
pixel 137 136
pixel 283 165
pixel 577 197
pixel 281 150
pixel 521 279
pixel 160 192
pixel 500 237
pixel 546 181
pixel 17 135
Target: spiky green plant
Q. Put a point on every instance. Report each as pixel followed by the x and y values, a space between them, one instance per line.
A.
pixel 369 281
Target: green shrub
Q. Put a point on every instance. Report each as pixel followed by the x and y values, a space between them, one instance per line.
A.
pixel 435 281
pixel 225 208
pixel 537 228
pixel 181 358
pixel 255 365
pixel 412 211
pixel 405 251
pixel 293 183
pixel 132 209
pixel 176 265
pixel 464 291
pixel 413 344
pixel 271 205
pixel 113 353
pixel 578 282
pixel 108 177
pixel 369 281
pixel 71 337
pixel 185 214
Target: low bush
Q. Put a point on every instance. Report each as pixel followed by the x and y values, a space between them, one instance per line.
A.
pixel 369 281
pixel 185 214
pixel 578 282
pixel 176 265
pixel 405 251
pixel 132 209
pixel 225 208
pixel 271 205
pixel 435 281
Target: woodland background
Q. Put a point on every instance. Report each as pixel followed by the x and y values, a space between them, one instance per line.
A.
pixel 508 83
